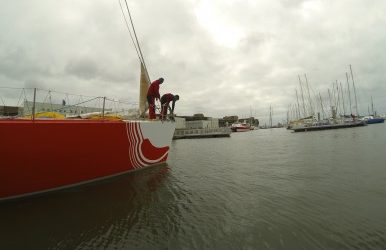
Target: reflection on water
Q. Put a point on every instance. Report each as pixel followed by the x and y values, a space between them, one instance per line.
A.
pixel 264 189
pixel 93 216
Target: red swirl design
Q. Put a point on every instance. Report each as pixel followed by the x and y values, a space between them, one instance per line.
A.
pixel 142 152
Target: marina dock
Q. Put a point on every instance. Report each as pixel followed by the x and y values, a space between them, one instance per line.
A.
pixel 330 126
pixel 201 133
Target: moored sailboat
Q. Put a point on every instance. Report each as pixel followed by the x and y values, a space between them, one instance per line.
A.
pixel 336 119
pixel 373 118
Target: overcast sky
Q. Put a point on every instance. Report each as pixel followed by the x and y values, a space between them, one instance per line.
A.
pixel 223 57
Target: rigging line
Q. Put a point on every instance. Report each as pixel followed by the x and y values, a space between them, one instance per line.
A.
pixel 84 101
pixel 25 101
pixel 121 101
pixel 45 98
pixel 116 106
pixel 54 110
pixel 75 105
pixel 136 38
pixel 128 28
pixel 80 99
pixel 66 98
pixel 18 101
pixel 14 88
pixel 65 93
pixel 2 101
pixel 50 98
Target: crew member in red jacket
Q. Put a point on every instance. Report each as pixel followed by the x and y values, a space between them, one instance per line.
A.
pixel 152 94
pixel 165 100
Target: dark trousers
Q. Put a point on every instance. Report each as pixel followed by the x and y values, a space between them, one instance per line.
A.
pixel 164 109
pixel 151 101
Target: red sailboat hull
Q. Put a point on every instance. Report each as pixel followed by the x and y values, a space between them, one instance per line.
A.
pixel 43 155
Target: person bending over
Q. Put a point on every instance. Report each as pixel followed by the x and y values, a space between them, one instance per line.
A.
pixel 165 101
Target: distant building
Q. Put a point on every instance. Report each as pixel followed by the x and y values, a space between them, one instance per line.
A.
pixel 10 111
pixel 228 120
pixel 180 122
pixel 197 121
pixel 195 117
pixel 67 110
pixel 250 120
pixel 198 124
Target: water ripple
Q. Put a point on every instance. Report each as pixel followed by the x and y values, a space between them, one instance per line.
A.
pixel 267 189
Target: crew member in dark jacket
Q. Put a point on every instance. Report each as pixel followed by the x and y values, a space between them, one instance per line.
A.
pixel 152 95
pixel 165 100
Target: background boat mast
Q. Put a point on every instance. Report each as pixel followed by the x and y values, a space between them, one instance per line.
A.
pixel 297 100
pixel 341 91
pixel 309 96
pixel 349 93
pixel 34 105
pixel 301 89
pixel 355 92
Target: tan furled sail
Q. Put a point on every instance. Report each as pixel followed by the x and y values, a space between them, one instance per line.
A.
pixel 144 85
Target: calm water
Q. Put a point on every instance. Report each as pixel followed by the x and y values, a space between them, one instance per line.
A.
pixel 264 189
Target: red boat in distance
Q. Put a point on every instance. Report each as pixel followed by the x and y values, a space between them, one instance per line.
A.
pixel 240 127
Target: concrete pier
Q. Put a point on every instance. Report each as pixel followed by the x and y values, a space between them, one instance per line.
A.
pixel 201 133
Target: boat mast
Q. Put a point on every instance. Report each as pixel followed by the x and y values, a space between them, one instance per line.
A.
pixel 293 112
pixel 34 105
pixel 372 106
pixel 349 93
pixel 338 94
pixel 288 113
pixel 355 93
pixel 136 39
pixel 250 115
pixel 334 96
pixel 344 106
pixel 301 89
pixel 309 96
pixel 321 105
pixel 331 104
pixel 144 78
pixel 103 107
pixel 297 99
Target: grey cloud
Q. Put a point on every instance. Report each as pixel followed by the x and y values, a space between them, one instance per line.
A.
pixel 17 63
pixel 35 83
pixel 83 68
pixel 293 3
